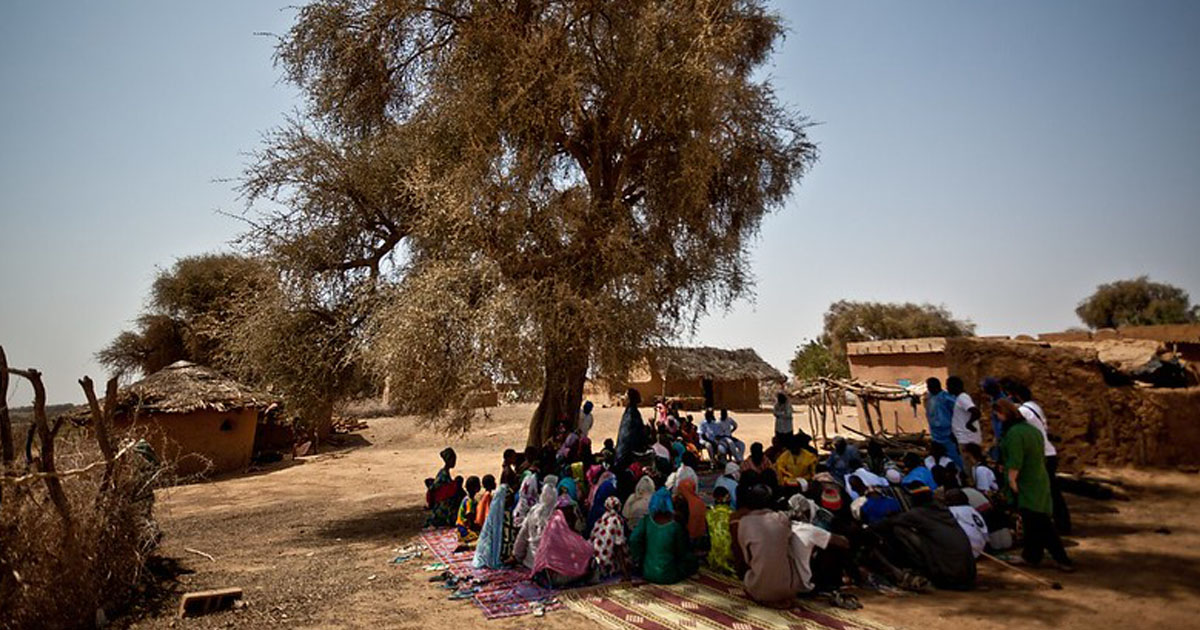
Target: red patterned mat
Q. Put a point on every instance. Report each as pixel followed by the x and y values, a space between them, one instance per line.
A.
pixel 507 592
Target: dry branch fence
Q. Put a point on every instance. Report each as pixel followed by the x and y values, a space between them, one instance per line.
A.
pixel 825 396
pixel 73 541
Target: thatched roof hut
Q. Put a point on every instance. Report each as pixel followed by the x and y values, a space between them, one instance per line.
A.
pixel 195 417
pixel 704 376
pixel 677 363
pixel 185 387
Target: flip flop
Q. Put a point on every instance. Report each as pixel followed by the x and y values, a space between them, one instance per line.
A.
pixel 845 601
pixel 466 593
pixel 914 582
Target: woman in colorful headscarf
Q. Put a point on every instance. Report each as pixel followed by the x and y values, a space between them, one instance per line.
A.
pixel 660 545
pixel 579 473
pixel 638 503
pixel 563 556
pixel 720 550
pixel 697 525
pixel 606 490
pixel 443 495
pixel 608 540
pixel 596 476
pixel 489 552
pixel 530 534
pixel 527 497
pixel 568 503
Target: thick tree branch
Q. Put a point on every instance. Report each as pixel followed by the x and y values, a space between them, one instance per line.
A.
pixel 46 439
pixel 102 423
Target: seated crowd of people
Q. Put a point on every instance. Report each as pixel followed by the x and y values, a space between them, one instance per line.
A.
pixel 783 519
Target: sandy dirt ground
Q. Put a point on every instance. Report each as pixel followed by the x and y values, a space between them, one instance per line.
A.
pixel 310 542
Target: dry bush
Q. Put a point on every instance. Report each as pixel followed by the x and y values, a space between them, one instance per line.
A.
pixel 57 575
pixel 73 543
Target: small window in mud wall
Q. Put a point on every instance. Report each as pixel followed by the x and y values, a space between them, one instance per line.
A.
pixel 227 425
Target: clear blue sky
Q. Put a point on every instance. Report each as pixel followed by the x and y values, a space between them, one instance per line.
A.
pixel 999 158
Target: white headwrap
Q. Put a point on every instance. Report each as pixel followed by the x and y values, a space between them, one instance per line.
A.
pixel 733 470
pixel 801 508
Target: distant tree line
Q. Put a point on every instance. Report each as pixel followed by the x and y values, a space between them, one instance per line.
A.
pixel 1136 302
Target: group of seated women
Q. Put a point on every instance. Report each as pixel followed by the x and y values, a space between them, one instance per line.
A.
pixel 782 521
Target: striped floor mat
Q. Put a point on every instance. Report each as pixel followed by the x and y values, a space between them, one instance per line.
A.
pixel 705 602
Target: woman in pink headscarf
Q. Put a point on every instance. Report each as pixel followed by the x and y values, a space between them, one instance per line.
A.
pixel 563 556
pixel 596 476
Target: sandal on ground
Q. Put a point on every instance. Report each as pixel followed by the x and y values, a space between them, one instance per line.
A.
pixel 915 582
pixel 845 601
pixel 466 593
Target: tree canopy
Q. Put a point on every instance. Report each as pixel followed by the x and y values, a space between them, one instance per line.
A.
pixel 518 189
pixel 1136 302
pixel 187 303
pixel 814 359
pixel 847 321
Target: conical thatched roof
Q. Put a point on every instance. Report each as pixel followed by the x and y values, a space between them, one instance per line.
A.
pixel 693 363
pixel 183 387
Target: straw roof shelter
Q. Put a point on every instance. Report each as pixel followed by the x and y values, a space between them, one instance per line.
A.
pixel 677 363
pixel 195 417
pixel 703 376
pixel 185 387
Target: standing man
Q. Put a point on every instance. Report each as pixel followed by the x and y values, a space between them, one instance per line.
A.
pixel 1025 460
pixel 1034 415
pixel 585 420
pixel 939 411
pixel 965 418
pixel 783 415
pixel 632 438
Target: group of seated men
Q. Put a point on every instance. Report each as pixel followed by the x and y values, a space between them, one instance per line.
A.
pixel 783 519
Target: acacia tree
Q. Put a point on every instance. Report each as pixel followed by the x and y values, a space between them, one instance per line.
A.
pixel 1136 302
pixel 526 189
pixel 187 305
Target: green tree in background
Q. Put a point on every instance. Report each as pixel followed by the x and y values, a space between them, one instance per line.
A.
pixel 848 321
pixel 1136 302
pixel 814 359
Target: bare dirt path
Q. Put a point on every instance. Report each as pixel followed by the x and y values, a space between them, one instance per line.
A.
pixel 310 543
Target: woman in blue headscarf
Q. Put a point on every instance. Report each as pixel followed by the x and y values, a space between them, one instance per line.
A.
pixel 660 544
pixel 607 488
pixel 568 503
pixel 496 532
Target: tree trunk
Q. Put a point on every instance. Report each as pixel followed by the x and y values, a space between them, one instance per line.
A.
pixel 562 391
pixel 46 435
pixel 7 452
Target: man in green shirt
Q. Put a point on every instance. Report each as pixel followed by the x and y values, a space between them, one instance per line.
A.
pixel 1024 458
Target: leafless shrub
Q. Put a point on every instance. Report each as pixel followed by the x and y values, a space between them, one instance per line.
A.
pixel 76 526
